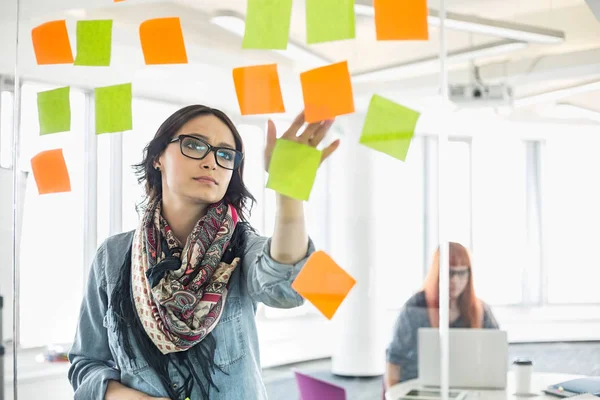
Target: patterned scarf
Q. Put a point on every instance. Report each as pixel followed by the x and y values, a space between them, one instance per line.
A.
pixel 179 291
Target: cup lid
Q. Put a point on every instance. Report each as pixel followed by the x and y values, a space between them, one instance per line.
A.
pixel 522 361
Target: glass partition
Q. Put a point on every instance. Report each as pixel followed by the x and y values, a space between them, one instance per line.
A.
pixel 501 171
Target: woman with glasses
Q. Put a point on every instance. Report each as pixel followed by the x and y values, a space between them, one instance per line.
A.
pixel 422 311
pixel 169 308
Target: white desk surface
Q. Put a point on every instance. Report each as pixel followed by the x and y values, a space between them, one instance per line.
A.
pixel 539 381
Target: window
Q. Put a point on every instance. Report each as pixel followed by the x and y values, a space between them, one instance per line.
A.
pixel 148 115
pixel 459 192
pixel 499 218
pixel 572 217
pixel 6 129
pixel 51 252
pixel 255 176
pixel 398 234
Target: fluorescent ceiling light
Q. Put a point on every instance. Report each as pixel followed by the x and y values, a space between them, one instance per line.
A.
pixel 466 23
pixel 571 111
pixel 396 71
pixel 235 24
pixel 554 95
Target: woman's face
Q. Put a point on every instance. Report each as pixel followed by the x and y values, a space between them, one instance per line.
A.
pixel 199 181
pixel 459 278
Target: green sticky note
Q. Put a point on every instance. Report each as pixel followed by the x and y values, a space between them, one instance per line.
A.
pixel 94 40
pixel 267 24
pixel 113 109
pixel 293 169
pixel 328 20
pixel 54 111
pixel 389 127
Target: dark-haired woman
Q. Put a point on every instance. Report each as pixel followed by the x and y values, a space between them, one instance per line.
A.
pixel 169 308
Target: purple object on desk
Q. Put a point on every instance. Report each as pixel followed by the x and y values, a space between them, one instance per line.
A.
pixel 316 389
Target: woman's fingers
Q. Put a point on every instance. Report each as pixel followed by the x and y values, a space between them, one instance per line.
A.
pixel 330 149
pixel 320 133
pixel 295 127
pixel 310 131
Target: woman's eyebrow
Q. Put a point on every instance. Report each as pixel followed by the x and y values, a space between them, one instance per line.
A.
pixel 201 136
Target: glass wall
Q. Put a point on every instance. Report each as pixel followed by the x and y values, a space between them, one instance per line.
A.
pixel 520 199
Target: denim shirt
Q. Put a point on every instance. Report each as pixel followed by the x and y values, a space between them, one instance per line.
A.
pixel 402 351
pixel 97 356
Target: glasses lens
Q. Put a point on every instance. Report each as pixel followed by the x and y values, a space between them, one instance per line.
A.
pixel 193 148
pixel 460 274
pixel 228 158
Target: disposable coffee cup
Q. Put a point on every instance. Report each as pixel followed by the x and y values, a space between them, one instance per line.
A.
pixel 523 372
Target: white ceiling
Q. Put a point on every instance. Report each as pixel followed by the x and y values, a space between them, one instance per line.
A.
pixel 214 51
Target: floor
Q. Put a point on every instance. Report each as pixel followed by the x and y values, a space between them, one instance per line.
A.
pixel 571 358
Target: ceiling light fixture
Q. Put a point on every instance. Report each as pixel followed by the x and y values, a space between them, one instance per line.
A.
pixel 554 95
pixel 235 24
pixel 463 55
pixel 483 26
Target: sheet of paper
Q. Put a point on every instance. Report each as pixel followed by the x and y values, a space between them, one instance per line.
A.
pixel 50 172
pixel 327 92
pixel 258 89
pixel 323 283
pixel 329 20
pixel 113 108
pixel 389 127
pixel 51 43
pixel 293 169
pixel 401 20
pixel 162 41
pixel 54 111
pixel 267 24
pixel 94 43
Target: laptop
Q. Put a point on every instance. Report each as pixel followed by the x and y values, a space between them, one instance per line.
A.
pixel 315 389
pixel 478 358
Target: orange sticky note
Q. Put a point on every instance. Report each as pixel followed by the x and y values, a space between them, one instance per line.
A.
pixel 324 283
pixel 162 41
pixel 401 19
pixel 258 91
pixel 327 92
pixel 51 43
pixel 50 172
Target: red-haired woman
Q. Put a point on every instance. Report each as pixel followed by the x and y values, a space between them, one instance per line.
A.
pixel 422 311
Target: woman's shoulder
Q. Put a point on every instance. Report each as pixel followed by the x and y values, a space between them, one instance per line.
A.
pixel 112 252
pixel 417 300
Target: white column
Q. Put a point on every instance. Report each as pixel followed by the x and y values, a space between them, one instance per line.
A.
pixel 359 348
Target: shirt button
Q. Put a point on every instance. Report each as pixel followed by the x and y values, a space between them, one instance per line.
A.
pixel 174 386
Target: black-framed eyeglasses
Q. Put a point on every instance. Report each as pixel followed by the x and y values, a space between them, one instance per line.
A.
pixel 462 274
pixel 196 148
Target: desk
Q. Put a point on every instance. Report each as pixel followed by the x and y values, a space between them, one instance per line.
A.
pixel 539 382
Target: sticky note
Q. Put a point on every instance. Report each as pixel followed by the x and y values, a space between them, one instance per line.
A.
pixel 327 92
pixel 113 108
pixel 162 41
pixel 389 127
pixel 293 169
pixel 324 283
pixel 267 24
pixel 94 41
pixel 50 172
pixel 329 20
pixel 258 90
pixel 51 43
pixel 54 111
pixel 401 20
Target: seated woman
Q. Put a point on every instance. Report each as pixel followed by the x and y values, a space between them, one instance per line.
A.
pixel 422 311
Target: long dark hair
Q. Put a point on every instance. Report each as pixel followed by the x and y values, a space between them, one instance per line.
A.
pixel 237 193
